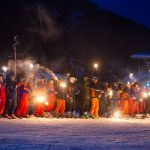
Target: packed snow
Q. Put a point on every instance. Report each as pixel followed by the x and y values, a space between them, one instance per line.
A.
pixel 74 134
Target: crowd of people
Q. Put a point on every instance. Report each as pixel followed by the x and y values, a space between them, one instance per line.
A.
pixel 71 99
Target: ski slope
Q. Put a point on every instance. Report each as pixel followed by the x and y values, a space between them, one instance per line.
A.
pixel 74 134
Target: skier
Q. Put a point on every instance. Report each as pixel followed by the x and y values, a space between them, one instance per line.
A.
pixel 51 97
pixel 103 100
pixel 71 97
pixel 136 97
pixel 22 108
pixel 147 103
pixel 40 97
pixel 2 96
pixel 124 99
pixel 115 98
pixel 60 99
pixel 85 98
pixel 32 87
pixel 11 100
pixel 95 95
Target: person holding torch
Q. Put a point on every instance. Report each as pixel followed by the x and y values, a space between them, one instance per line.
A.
pixel 60 99
pixel 40 98
pixel 23 101
pixel 95 95
pixel 51 96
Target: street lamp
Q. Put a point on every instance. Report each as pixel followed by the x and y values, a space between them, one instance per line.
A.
pixel 68 74
pixel 131 75
pixel 4 68
pixel 31 66
pixel 95 66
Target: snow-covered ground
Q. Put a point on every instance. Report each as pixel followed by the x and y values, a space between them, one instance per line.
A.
pixel 74 134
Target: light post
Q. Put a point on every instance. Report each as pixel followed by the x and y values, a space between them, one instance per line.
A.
pixel 16 42
pixel 95 67
pixel 131 75
pixel 4 68
pixel 31 66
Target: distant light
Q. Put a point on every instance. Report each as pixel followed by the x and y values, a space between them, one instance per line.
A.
pixel 147 84
pixel 95 65
pixel 128 83
pixel 110 93
pixel 4 68
pixel 68 74
pixel 31 66
pixel 131 75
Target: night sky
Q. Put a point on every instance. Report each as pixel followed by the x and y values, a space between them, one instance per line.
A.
pixel 136 10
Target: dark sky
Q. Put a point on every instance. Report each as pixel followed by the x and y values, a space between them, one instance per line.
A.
pixel 136 10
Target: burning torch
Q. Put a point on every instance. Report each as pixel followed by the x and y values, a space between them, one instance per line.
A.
pixel 63 85
pixel 42 99
pixel 117 114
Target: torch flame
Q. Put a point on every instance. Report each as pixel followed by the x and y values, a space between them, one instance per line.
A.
pixel 46 103
pixel 41 99
pixel 111 93
pixel 117 114
pixel 145 95
pixel 63 85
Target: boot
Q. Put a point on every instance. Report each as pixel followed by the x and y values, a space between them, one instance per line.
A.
pixel 13 116
pixel 68 114
pixel 7 116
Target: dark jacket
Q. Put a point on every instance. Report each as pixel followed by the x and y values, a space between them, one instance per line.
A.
pixel 61 92
pixel 11 90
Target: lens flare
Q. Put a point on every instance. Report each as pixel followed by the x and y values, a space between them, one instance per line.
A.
pixel 41 99
pixel 117 114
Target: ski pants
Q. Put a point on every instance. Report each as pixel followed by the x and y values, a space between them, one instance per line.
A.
pixel 60 106
pixel 39 109
pixel 85 106
pixel 50 106
pixel 10 106
pixel 94 106
pixel 125 107
pixel 23 106
pixel 147 109
pixel 2 105
pixel 135 108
